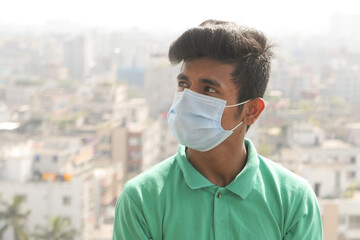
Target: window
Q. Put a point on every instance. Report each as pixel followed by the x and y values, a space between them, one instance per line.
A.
pixel 351 175
pixel 66 201
pixel 133 113
pixel 337 179
pixel 354 221
pixel 105 140
pixel 134 141
pixel 131 169
pixel 342 220
pixel 317 189
pixel 105 154
pixel 135 155
pixel 22 197
pixel 68 220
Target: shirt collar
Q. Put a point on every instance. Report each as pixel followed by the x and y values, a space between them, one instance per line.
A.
pixel 245 181
pixel 242 185
pixel 193 178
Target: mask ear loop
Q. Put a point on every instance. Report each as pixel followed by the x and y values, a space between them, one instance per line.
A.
pixel 234 105
pixel 238 104
pixel 236 126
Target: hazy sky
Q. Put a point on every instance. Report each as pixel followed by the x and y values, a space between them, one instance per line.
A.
pixel 269 15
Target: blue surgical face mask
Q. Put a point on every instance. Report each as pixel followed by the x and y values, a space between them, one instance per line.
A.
pixel 195 120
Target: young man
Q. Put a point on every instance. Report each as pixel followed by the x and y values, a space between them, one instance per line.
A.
pixel 217 186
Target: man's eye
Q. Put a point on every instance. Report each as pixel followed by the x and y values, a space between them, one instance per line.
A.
pixel 210 90
pixel 182 84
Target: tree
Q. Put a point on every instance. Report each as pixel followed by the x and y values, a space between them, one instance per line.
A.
pixel 12 217
pixel 57 229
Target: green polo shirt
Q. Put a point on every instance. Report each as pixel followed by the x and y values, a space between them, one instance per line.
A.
pixel 173 201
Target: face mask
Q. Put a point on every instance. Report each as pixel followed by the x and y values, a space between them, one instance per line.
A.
pixel 195 120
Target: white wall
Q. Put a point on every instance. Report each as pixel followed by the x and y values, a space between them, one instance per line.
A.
pixel 331 177
pixel 45 200
pixel 151 144
pixel 342 211
pixel 16 161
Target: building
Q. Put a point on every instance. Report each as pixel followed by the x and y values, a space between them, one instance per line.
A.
pixel 341 218
pixel 160 85
pixel 330 168
pixel 56 179
pixel 16 161
pixel 77 57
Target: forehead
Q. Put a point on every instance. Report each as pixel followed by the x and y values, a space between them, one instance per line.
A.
pixel 208 68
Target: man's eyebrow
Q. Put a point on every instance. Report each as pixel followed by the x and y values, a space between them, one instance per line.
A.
pixel 210 82
pixel 182 77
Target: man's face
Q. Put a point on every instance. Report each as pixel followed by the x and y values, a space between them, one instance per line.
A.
pixel 213 78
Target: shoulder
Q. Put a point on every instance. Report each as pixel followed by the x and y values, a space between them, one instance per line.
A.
pixel 291 194
pixel 153 180
pixel 281 176
pixel 291 191
pixel 273 178
pixel 296 195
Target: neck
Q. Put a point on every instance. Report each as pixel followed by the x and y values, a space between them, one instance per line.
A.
pixel 222 164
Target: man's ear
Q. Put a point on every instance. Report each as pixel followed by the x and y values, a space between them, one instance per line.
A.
pixel 252 110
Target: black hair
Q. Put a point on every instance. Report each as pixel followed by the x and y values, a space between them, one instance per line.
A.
pixel 227 42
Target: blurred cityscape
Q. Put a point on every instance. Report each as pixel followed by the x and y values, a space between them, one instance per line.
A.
pixel 82 111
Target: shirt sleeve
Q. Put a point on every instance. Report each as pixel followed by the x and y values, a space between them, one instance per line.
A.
pixel 306 222
pixel 129 222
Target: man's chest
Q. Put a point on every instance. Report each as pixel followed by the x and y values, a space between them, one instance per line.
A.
pixel 215 216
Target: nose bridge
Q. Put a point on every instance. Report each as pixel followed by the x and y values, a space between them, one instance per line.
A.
pixel 195 87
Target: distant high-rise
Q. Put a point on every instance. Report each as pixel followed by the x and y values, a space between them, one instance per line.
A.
pixel 76 57
pixel 345 31
pixel 160 84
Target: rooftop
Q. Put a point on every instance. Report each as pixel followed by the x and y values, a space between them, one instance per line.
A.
pixel 335 144
pixel 9 125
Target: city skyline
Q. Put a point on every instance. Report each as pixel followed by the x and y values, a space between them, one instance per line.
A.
pixel 83 110
pixel 278 16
